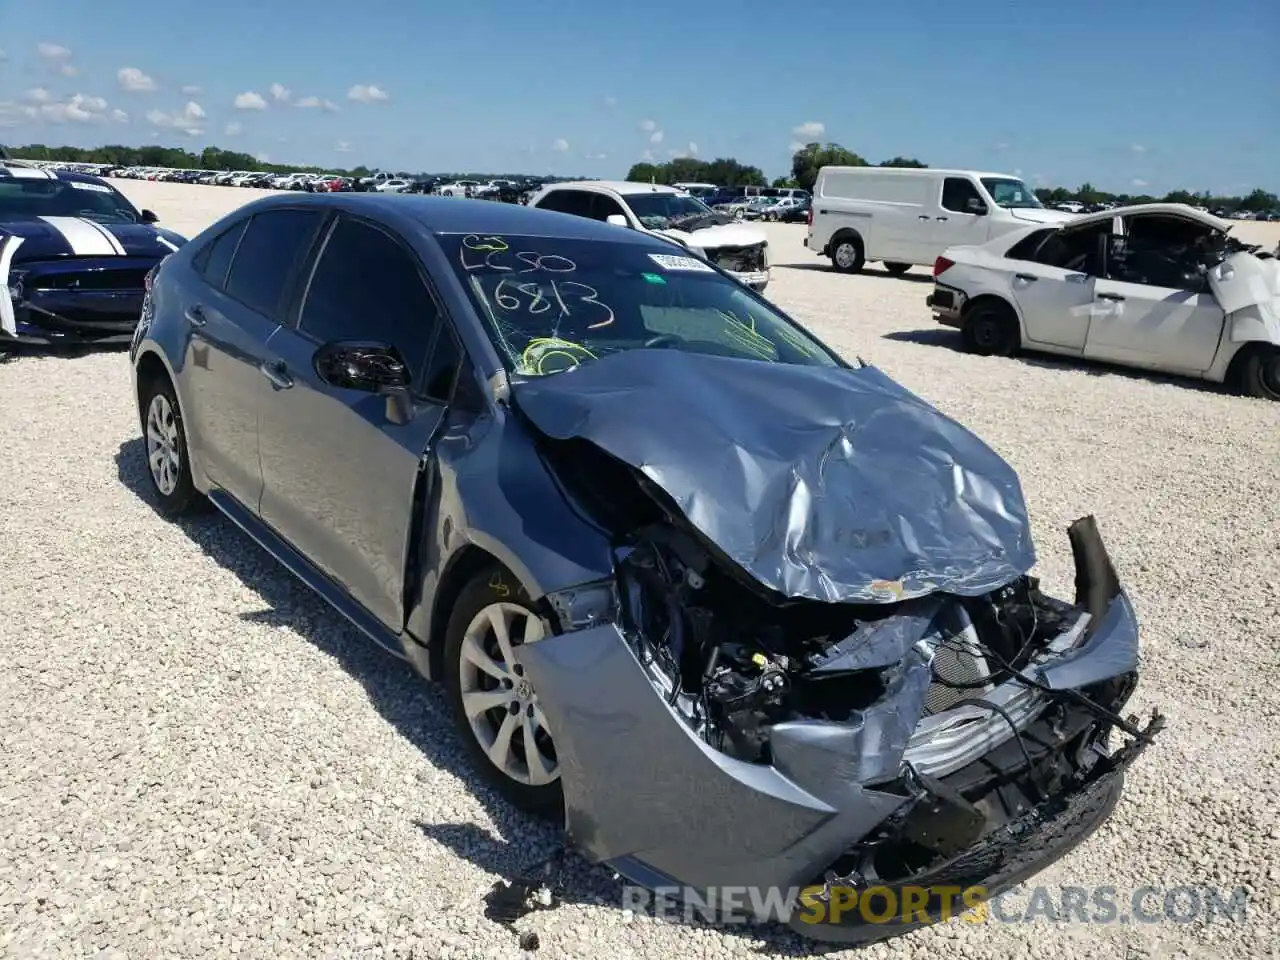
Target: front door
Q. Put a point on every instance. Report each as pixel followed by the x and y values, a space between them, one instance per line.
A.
pixel 953 222
pixel 1158 327
pixel 338 475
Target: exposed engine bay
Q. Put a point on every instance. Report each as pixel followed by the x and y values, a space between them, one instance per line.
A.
pixel 734 663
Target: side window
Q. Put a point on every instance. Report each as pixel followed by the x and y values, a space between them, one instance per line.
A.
pixel 557 200
pixel 1025 248
pixel 603 207
pixel 957 192
pixel 443 366
pixel 576 202
pixel 274 244
pixel 1075 250
pixel 213 261
pixel 367 286
pixel 1163 251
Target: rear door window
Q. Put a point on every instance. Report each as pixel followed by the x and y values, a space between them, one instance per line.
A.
pixel 1077 250
pixel 214 260
pixel 274 244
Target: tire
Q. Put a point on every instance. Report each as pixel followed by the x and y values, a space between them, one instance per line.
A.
pixel 1260 372
pixel 896 269
pixel 492 596
pixel 990 330
pixel 168 463
pixel 847 255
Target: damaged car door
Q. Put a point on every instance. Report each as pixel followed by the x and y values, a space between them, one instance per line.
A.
pixel 1155 308
pixel 1054 288
pixel 350 413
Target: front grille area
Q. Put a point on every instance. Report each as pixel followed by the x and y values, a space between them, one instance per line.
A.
pixel 124 278
pixel 958 666
pixel 749 259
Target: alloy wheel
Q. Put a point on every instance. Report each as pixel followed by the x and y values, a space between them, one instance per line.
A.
pixel 500 703
pixel 846 255
pixel 163 453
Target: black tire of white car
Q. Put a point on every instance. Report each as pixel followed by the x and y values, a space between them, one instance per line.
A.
pixel 1260 372
pixel 847 255
pixel 896 269
pixel 990 330
pixel 184 499
pixel 491 585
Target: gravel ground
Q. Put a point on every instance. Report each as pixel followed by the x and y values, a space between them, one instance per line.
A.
pixel 200 759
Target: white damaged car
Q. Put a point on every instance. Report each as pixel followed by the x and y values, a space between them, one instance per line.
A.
pixel 1159 286
pixel 737 248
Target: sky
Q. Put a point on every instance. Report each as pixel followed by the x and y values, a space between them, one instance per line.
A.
pixel 1131 95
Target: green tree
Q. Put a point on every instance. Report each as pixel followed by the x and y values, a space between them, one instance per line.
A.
pixel 722 171
pixel 903 162
pixel 812 157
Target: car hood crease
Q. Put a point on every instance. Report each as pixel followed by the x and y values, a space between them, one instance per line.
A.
pixel 823 483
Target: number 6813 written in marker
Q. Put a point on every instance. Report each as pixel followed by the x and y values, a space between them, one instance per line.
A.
pixel 556 293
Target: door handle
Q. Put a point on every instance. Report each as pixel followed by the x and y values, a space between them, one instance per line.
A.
pixel 1025 276
pixel 1113 297
pixel 923 216
pixel 942 218
pixel 1077 277
pixel 276 373
pixel 195 315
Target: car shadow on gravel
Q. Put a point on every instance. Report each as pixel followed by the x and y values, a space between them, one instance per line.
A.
pixel 417 709
pixel 950 339
pixel 874 272
pixel 12 354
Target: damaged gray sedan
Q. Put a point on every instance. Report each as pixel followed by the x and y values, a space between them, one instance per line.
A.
pixel 741 613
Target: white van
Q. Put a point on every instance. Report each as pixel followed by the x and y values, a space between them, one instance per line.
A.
pixel 908 216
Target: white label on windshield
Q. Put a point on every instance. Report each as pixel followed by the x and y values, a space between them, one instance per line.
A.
pixel 95 187
pixel 679 263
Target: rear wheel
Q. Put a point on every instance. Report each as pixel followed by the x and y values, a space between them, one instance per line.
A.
pixel 896 269
pixel 168 462
pixel 1260 372
pixel 846 255
pixel 495 706
pixel 990 330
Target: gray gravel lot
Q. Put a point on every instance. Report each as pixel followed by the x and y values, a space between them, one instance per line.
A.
pixel 198 758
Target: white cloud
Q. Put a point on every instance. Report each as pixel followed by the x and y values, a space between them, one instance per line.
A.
pixel 191 90
pixel 342 146
pixel 189 118
pixel 796 146
pixel 3 56
pixel 596 156
pixel 368 93
pixel 648 126
pixel 39 95
pixel 78 109
pixel 280 93
pixel 647 156
pixel 810 130
pixel 1138 148
pixel 608 101
pixel 656 137
pixel 250 101
pixel 119 116
pixel 1017 172
pixel 264 158
pixel 1140 183
pixel 233 129
pixel 560 145
pixel 315 103
pixel 68 70
pixel 693 149
pixel 133 80
pixel 1001 147
pixel 53 51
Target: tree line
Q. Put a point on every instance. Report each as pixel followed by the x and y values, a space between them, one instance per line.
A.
pixel 723 171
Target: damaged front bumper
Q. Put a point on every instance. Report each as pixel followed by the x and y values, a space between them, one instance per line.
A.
pixel 990 789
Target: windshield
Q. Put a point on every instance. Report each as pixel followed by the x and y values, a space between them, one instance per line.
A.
pixel 1011 194
pixel 550 304
pixel 659 210
pixel 23 199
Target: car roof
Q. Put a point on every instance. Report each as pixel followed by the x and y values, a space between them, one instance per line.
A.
pixel 624 187
pixel 7 167
pixel 452 215
pixel 1176 209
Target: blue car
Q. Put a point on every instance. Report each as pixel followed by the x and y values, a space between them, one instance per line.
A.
pixel 74 255
pixel 733 610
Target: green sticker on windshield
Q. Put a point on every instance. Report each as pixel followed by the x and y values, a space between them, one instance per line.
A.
pixel 653 278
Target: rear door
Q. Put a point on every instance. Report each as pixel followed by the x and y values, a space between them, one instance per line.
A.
pixel 1053 285
pixel 338 475
pixel 245 273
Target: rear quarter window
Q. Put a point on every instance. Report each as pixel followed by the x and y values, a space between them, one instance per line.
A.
pixel 1026 248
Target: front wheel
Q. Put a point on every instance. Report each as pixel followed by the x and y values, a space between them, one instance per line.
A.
pixel 495 706
pixel 1260 373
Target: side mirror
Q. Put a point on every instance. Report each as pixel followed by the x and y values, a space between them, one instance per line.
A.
pixel 149 216
pixel 976 207
pixel 370 367
pixel 617 219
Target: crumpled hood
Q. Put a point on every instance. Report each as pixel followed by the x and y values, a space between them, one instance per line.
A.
pixel 1042 216
pixel 715 238
pixel 46 238
pixel 832 484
